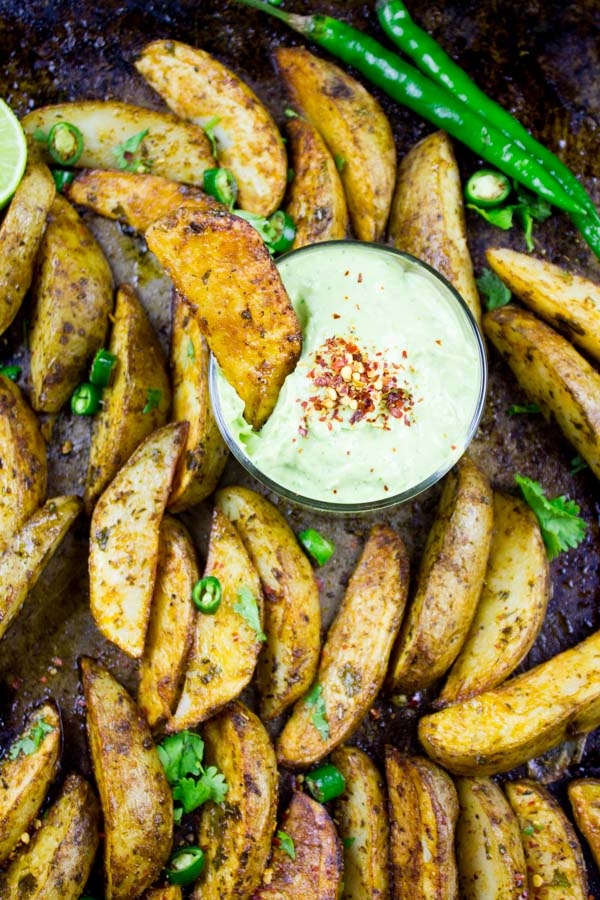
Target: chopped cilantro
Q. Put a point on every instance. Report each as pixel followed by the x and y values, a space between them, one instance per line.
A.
pixel 559 519
pixel 153 398
pixel 315 701
pixel 348 842
pixel 529 209
pixel 192 785
pixel 518 408
pixel 578 465
pixel 494 290
pixel 247 607
pixel 28 744
pixel 527 830
pixel 291 114
pixel 340 162
pixel 559 880
pixel 501 217
pixel 285 843
pixel 129 156
pixel 191 353
pixel 209 131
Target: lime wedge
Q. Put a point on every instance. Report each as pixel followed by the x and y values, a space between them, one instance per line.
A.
pixel 13 153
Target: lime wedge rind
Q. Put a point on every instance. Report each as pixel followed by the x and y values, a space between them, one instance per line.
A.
pixel 13 153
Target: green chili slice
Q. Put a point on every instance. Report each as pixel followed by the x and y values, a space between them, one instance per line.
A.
pixel 102 367
pixel 65 143
pixel 325 783
pixel 185 865
pixel 316 545
pixel 206 594
pixel 62 177
pixel 85 400
pixel 283 231
pixel 11 372
pixel 220 184
pixel 487 188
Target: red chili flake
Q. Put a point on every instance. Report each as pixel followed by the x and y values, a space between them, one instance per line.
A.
pixel 453 446
pixel 336 316
pixel 56 661
pixel 439 342
pixel 17 684
pixel 360 278
pixel 44 680
pixel 404 354
pixel 347 273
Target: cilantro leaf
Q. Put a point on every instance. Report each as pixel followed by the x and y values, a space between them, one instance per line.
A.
pixel 153 398
pixel 559 519
pixel 214 782
pixel 501 217
pixel 181 754
pixel 285 843
pixel 340 162
pixel 315 701
pixel 191 784
pixel 578 465
pixel 129 157
pixel 518 408
pixel 348 842
pixel 190 794
pixel 209 131
pixel 28 744
pixel 247 607
pixel 494 290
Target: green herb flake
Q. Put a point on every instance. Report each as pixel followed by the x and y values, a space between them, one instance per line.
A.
pixel 247 607
pixel 315 701
pixel 494 290
pixel 560 523
pixel 518 408
pixel 129 155
pixel 40 136
pixel 578 465
pixel 348 842
pixel 340 162
pixel 191 784
pixel 209 131
pixel 285 843
pixel 559 880
pixel 290 176
pixel 101 537
pixel 501 217
pixel 291 113
pixel 528 830
pixel 153 398
pixel 27 745
pixel 191 353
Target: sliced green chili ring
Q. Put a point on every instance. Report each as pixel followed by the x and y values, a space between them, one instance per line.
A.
pixel 283 231
pixel 325 783
pixel 206 594
pixel 85 400
pixel 11 372
pixel 62 177
pixel 102 367
pixel 316 545
pixel 65 143
pixel 220 184
pixel 185 866
pixel 487 188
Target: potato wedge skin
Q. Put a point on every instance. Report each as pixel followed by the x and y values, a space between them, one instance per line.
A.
pixel 237 834
pixel 584 794
pixel 512 605
pixel 339 107
pixel 449 582
pixel 252 329
pixel 553 374
pixel 198 88
pixel 134 792
pixel 289 658
pixel 356 651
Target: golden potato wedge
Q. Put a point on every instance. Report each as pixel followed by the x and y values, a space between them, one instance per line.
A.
pixel 171 148
pixel 584 794
pixel 521 719
pixel 224 270
pixel 423 813
pixel 355 655
pixel 553 855
pixel 361 818
pixel 136 799
pixel 225 644
pixel 237 834
pixel 23 463
pixel 200 89
pixel 26 773
pixel 172 892
pixel 427 218
pixel 354 127
pixel 512 606
pixel 25 555
pixel 124 539
pixel 288 661
pixel 491 863
pixel 316 200
pixel 135 403
pixel 569 303
pixel 20 236
pixel 449 582
pixel 171 623
pixel 553 374
pixel 205 453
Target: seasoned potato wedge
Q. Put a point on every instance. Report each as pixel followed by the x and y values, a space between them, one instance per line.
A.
pixel 124 539
pixel 288 661
pixel 361 817
pixel 552 852
pixel 237 834
pixel 553 374
pixel 171 623
pixel 171 148
pixel 449 582
pixel 205 454
pixel 423 814
pixel 354 127
pixel 222 267
pixel 570 303
pixel 355 654
pixel 24 557
pixel 512 605
pixel 584 794
pixel 130 412
pixel 427 218
pixel 134 792
pixel 172 892
pixel 199 88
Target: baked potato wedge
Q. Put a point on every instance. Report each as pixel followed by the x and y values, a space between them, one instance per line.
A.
pixel 423 814
pixel 237 834
pixel 292 614
pixel 200 89
pixel 553 374
pixel 171 623
pixel 124 539
pixel 553 855
pixel 354 127
pixel 584 794
pixel 135 403
pixel 136 799
pixel 355 655
pixel 449 582
pixel 222 267
pixel 171 892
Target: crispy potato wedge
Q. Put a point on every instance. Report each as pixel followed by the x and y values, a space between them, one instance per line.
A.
pixel 172 892
pixel 570 303
pixel 427 218
pixel 552 852
pixel 512 605
pixel 361 818
pixel 553 374
pixel 449 582
pixel 124 539
pixel 288 661
pixel 491 863
pixel 237 834
pixel 171 148
pixel 225 645
pixel 121 425
pixel 136 799
pixel 222 267
pixel 205 453
pixel 354 127
pixel 20 236
pixel 316 200
pixel 423 813
pixel 171 623
pixel 521 719
pixel 355 655
pixel 199 88
pixel 584 794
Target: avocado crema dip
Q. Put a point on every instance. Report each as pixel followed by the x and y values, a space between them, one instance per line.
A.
pixel 388 386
